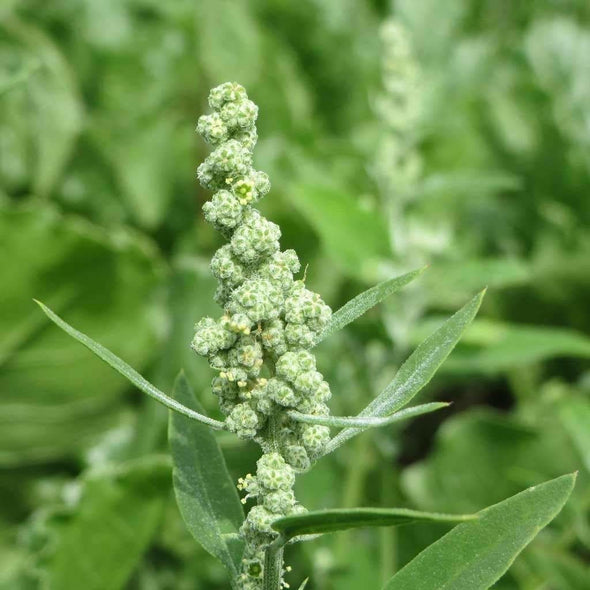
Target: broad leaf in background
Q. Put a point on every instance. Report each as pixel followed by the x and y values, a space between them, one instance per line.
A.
pixel 365 301
pixel 564 571
pixel 447 283
pixel 575 417
pixel 354 237
pixel 111 525
pixel 206 495
pixel 418 370
pixel 46 109
pixel 558 51
pixel 329 521
pixel 491 456
pixel 229 47
pixel 56 396
pixel 474 555
pixel 502 346
pixel 145 172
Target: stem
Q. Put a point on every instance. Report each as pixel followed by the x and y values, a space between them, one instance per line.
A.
pixel 273 566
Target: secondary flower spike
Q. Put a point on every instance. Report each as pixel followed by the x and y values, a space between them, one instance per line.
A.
pixel 260 345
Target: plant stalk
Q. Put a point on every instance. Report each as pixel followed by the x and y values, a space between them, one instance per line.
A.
pixel 273 567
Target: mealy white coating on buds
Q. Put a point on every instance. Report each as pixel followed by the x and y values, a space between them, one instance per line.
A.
pixel 260 344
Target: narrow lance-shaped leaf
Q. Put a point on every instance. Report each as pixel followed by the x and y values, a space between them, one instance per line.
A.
pixel 474 555
pixel 368 421
pixel 366 300
pixel 417 371
pixel 124 369
pixel 329 521
pixel 206 495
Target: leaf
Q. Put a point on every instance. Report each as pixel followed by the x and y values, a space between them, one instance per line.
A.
pixel 492 456
pixel 56 398
pixel 418 370
pixel 368 421
pixel 329 521
pixel 128 372
pixel 505 346
pixel 354 237
pixel 206 496
pixel 564 571
pixel 366 300
pixel 575 416
pixel 50 104
pixel 474 555
pixel 114 521
pixel 447 283
pixel 304 584
pixel 144 171
pixel 240 60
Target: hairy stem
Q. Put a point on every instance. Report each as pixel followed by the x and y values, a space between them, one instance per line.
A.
pixel 273 567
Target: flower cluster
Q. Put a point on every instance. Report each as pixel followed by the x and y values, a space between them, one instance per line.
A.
pixel 260 345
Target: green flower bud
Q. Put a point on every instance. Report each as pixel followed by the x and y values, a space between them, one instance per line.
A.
pixel 246 354
pixel 279 268
pixel 291 364
pixel 273 337
pixel 281 393
pixel 211 337
pixel 227 268
pixel 259 299
pixel 255 239
pixel 258 525
pixel 224 388
pixel 296 456
pixel 212 128
pixel 299 336
pixel 243 420
pixel 308 382
pixel 273 473
pixel 314 438
pixel 224 210
pixel 279 502
pixel 224 93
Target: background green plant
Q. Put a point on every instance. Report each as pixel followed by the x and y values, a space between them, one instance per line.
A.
pixel 100 218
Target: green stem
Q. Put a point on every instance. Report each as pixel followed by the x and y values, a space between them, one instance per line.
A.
pixel 273 567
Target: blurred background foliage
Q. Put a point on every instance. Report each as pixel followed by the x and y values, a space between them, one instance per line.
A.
pixel 454 134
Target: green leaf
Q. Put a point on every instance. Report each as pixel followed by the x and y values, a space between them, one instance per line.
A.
pixel 206 496
pixel 366 300
pixel 304 584
pixel 506 346
pixel 56 397
pixel 117 515
pixel 50 103
pixel 368 421
pixel 448 283
pixel 354 237
pixel 563 570
pixel 241 59
pixel 124 369
pixel 492 456
pixel 575 416
pixel 474 555
pixel 343 519
pixel 418 370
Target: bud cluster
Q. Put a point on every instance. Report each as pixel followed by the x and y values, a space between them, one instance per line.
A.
pixel 260 345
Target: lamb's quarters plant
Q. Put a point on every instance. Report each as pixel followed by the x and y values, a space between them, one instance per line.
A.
pixel 270 391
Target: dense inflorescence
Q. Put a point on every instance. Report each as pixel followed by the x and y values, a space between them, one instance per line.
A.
pixel 260 345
